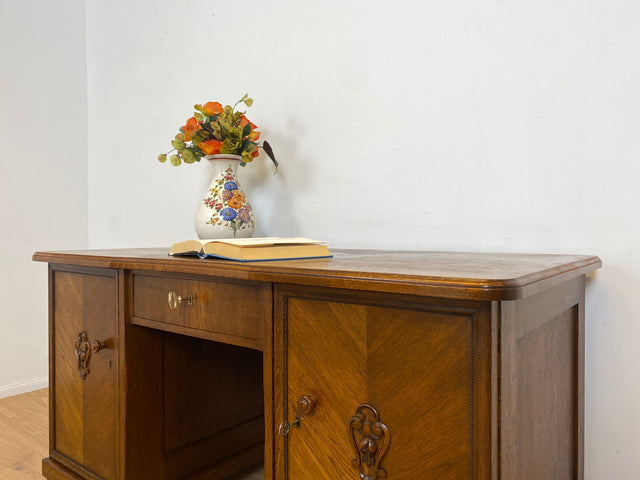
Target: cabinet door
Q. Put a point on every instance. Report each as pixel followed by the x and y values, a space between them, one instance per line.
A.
pixel 377 390
pixel 84 383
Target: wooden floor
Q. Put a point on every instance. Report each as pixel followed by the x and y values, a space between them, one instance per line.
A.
pixel 255 474
pixel 24 437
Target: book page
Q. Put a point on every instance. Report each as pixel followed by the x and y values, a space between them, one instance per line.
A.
pixel 263 241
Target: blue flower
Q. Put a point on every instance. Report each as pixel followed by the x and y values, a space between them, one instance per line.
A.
pixel 228 214
pixel 230 186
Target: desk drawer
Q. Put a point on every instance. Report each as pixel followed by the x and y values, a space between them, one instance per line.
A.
pixel 218 307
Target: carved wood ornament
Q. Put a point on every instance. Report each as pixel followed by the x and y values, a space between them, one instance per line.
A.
pixel 83 354
pixel 370 438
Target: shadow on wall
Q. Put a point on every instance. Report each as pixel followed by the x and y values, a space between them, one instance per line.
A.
pixel 612 299
pixel 612 383
pixel 272 196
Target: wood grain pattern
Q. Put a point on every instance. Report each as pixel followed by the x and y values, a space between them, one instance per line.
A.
pixel 201 424
pixel 236 312
pixel 24 439
pixel 542 368
pixel 547 446
pixel 418 365
pixel 142 398
pixel 474 362
pixel 320 448
pixel 52 470
pixel 477 276
pixel 85 411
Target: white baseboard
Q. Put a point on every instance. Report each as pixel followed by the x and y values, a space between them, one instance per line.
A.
pixel 23 387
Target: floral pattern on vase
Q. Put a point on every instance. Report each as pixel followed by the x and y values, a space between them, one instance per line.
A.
pixel 224 211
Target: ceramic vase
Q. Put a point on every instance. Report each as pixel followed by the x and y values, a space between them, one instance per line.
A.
pixel 224 211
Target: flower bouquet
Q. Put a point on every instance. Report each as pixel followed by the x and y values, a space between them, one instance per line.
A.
pixel 214 129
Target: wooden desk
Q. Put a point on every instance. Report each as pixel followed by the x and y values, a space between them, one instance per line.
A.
pixel 399 365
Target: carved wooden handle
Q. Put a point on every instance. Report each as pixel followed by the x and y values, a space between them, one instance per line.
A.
pixel 370 439
pixel 305 405
pixel 175 300
pixel 98 345
pixel 83 353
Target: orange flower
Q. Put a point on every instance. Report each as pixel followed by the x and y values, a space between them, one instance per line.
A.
pixel 255 153
pixel 234 203
pixel 239 195
pixel 210 147
pixel 211 108
pixel 254 135
pixel 190 129
pixel 244 121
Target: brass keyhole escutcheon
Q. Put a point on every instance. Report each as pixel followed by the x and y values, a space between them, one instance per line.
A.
pixel 175 300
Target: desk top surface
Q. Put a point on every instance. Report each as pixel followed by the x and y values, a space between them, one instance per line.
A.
pixel 472 276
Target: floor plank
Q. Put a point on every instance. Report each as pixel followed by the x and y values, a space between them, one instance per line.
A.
pixel 24 435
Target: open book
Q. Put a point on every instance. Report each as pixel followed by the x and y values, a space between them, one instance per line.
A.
pixel 253 249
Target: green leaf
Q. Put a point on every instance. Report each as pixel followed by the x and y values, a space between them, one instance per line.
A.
pixel 162 158
pixel 248 102
pixel 188 156
pixel 175 160
pixel 206 127
pixel 246 130
pixel 199 116
pixel 227 148
pixel 248 146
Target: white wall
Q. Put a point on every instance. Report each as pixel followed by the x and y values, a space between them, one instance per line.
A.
pixel 472 125
pixel 43 178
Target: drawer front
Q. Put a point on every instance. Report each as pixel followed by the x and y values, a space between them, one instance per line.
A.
pixel 231 309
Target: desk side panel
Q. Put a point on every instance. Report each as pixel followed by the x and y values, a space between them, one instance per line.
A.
pixel 84 407
pixel 542 384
